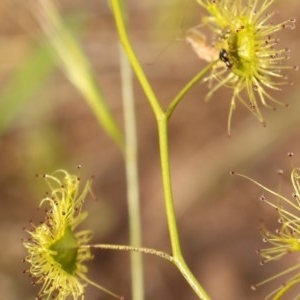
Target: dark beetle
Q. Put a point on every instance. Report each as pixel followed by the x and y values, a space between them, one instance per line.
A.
pixel 223 56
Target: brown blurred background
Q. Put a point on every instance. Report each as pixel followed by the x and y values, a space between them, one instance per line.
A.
pixel 52 128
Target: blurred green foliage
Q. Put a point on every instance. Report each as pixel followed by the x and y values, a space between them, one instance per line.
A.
pixel 26 82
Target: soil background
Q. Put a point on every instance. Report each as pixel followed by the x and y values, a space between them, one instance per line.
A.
pixel 218 214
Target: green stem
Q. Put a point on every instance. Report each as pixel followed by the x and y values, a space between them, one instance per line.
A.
pixel 170 211
pixel 144 250
pixel 162 121
pixel 137 282
pixel 187 87
pixel 124 39
pixel 190 278
pixel 167 185
pixel 178 262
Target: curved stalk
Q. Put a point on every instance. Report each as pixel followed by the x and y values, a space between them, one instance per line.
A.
pixel 167 185
pixel 144 250
pixel 170 211
pixel 187 87
pixel 124 39
pixel 162 122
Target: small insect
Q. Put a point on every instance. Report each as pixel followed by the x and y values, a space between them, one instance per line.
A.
pixel 207 52
pixel 223 55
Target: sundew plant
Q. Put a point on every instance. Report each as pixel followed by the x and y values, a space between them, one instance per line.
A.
pixel 238 43
pixel 285 239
